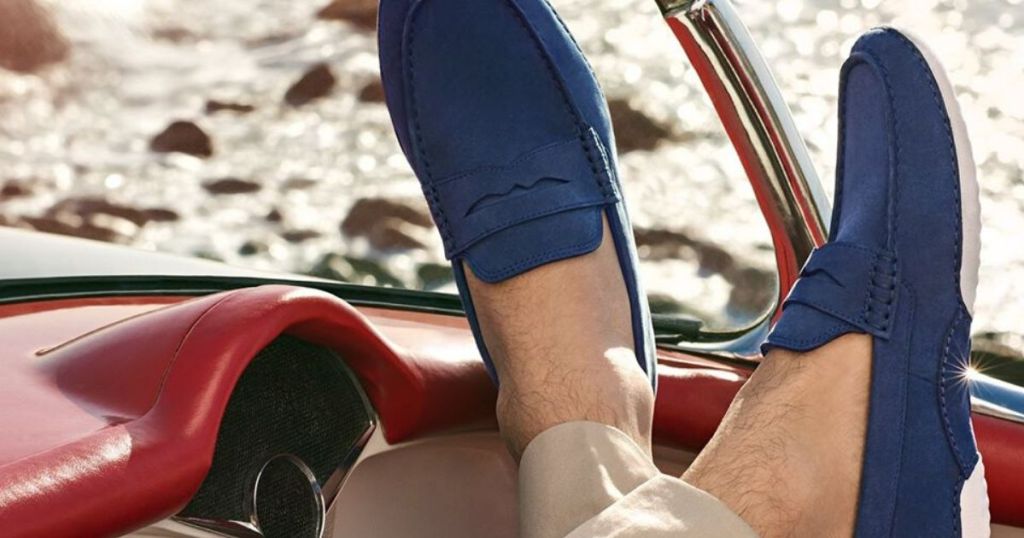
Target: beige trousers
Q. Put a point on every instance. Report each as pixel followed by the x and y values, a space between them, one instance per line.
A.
pixel 583 479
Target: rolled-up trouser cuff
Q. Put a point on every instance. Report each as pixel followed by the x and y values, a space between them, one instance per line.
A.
pixel 584 479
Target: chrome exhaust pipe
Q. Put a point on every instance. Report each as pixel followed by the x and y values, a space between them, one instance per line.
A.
pixel 760 127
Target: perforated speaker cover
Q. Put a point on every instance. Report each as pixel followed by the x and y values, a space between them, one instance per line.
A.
pixel 294 398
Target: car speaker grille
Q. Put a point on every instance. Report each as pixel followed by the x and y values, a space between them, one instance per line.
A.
pixel 295 399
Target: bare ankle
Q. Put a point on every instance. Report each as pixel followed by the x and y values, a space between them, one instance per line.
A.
pixel 561 340
pixel 787 456
pixel 617 395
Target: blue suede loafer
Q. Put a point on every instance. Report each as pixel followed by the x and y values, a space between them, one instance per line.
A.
pixel 901 265
pixel 508 132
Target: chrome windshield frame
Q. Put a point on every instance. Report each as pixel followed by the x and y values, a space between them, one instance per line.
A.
pixel 760 127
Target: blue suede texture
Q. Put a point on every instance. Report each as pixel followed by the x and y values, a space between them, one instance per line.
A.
pixel 891 269
pixel 508 132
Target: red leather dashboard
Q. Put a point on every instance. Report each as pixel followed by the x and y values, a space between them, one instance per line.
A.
pixel 109 408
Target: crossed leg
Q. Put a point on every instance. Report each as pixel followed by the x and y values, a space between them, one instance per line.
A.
pixel 787 456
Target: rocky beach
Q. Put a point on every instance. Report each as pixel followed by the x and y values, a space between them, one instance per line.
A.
pixel 255 133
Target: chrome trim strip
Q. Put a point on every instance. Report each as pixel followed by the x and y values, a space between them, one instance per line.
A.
pixel 992 410
pixel 760 126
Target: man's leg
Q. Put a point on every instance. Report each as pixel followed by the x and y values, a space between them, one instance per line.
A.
pixel 787 456
pixel 575 406
pixel 562 343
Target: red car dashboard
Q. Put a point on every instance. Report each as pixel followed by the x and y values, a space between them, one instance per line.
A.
pixel 123 411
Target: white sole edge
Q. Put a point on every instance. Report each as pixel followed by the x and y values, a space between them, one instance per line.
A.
pixel 975 520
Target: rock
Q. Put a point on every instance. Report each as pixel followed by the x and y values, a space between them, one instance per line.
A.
pixel 251 248
pixel 664 304
pixel 160 214
pixel 393 234
pixel 183 137
pixel 660 244
pixel 387 224
pixel 714 259
pixel 316 83
pixel 231 185
pixel 299 236
pixel 372 92
pixel 361 13
pixel 367 213
pixel 14 189
pixel 752 290
pixel 634 130
pixel 432 276
pixel 29 37
pixel 174 34
pixel 350 269
pixel 298 184
pixel 87 208
pixel 274 38
pixel 207 255
pixel 79 229
pixel 213 106
pixel 274 215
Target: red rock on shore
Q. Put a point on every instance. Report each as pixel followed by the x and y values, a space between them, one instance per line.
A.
pixel 316 83
pixel 183 137
pixel 29 38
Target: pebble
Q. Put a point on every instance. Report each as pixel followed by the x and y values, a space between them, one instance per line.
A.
pixel 29 39
pixel 366 213
pixel 317 82
pixel 393 234
pixel 635 130
pixel 355 270
pixel 251 248
pixel 81 229
pixel 14 189
pixel 372 92
pixel 432 276
pixel 231 185
pixel 663 304
pixel 183 137
pixel 213 106
pixel 274 215
pixel 298 184
pixel 387 224
pixel 173 34
pixel 161 214
pixel 361 13
pixel 752 290
pixel 87 207
pixel 299 236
